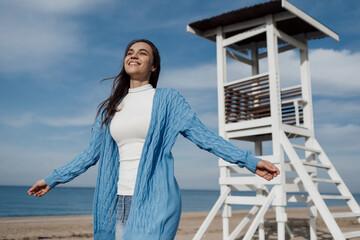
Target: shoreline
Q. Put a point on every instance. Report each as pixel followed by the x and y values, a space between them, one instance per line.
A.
pixel 80 226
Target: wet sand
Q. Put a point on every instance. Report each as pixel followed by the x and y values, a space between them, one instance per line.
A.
pixel 80 226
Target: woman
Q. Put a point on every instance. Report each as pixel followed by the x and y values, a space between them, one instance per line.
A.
pixel 132 137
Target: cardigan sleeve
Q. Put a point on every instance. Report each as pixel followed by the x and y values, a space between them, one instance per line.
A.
pixel 193 129
pixel 82 162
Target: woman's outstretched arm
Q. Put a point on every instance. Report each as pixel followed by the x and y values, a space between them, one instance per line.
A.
pixel 75 167
pixel 193 129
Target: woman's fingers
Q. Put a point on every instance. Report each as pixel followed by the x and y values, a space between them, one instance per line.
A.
pixel 33 189
pixel 269 166
pixel 40 193
pixel 272 169
pixel 39 189
pixel 267 170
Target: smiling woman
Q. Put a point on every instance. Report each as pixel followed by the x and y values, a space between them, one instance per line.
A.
pixel 143 53
pixel 136 194
pixel 139 64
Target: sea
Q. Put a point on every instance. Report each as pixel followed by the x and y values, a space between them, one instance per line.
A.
pixel 15 201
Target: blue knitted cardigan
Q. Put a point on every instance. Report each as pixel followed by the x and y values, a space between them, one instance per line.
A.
pixel 156 204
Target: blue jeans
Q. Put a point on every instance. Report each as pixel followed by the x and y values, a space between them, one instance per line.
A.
pixel 122 214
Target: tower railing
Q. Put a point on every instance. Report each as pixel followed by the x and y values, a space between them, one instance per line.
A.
pixel 249 99
pixel 292 105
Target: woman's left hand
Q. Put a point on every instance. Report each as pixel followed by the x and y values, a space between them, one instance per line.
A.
pixel 266 170
pixel 39 189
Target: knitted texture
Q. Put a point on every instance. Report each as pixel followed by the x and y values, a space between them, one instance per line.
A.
pixel 156 204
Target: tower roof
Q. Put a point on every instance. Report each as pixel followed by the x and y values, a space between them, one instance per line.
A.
pixel 291 21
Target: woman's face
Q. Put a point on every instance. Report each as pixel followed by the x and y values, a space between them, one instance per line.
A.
pixel 138 62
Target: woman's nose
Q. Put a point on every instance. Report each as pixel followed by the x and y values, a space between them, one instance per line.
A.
pixel 134 55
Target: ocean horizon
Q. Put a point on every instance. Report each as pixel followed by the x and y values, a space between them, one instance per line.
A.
pixel 15 201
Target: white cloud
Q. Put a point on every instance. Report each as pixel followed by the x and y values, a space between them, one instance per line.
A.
pixel 26 118
pixel 82 120
pixel 198 77
pixel 61 6
pixel 339 139
pixel 335 73
pixel 37 34
pixel 335 111
pixel 67 136
pixel 55 6
pixel 19 120
pixel 35 44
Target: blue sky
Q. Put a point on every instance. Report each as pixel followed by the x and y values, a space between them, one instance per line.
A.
pixel 54 54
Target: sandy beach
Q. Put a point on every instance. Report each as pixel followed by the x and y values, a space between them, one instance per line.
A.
pixel 80 226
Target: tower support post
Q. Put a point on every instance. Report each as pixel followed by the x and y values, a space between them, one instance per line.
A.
pixel 221 79
pixel 279 202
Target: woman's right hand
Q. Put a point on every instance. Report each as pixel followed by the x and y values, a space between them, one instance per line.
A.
pixel 266 170
pixel 39 189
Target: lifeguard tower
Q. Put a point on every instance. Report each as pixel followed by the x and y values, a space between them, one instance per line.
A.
pixel 257 109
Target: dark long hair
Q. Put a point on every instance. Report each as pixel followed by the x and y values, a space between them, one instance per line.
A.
pixel 121 83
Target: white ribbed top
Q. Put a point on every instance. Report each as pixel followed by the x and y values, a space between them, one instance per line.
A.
pixel 128 128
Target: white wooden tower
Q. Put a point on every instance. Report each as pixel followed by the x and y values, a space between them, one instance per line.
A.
pixel 256 109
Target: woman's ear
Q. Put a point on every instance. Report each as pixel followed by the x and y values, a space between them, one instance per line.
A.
pixel 153 69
